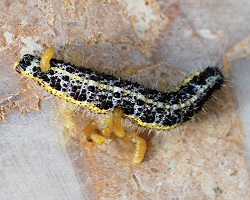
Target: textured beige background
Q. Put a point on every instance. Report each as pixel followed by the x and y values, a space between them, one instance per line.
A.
pixel 145 41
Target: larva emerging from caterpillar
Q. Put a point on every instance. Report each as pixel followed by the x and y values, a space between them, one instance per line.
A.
pixel 104 93
pixel 140 148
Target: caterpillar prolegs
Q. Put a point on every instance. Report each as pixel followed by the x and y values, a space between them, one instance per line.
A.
pixel 104 93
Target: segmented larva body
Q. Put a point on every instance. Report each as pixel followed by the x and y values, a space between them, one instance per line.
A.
pixel 45 59
pixel 102 93
pixel 92 133
pixel 97 138
pixel 140 148
pixel 117 126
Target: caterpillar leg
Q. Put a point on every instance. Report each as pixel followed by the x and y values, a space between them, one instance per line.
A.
pixel 140 148
pixel 45 59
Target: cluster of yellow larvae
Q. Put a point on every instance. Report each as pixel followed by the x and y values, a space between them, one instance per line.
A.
pixel 112 121
pixel 113 125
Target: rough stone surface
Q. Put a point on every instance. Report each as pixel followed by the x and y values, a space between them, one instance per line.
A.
pixel 146 41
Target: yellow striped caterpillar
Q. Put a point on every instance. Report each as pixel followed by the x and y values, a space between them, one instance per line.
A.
pixel 103 93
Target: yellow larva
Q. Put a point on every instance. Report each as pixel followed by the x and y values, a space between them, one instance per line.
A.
pixel 117 126
pixel 92 133
pixel 91 126
pixel 45 59
pixel 140 148
pixel 108 123
pixel 97 138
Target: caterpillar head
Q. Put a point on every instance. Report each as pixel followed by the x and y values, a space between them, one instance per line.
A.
pixel 28 65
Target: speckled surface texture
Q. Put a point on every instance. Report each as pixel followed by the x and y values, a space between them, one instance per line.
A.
pixel 145 41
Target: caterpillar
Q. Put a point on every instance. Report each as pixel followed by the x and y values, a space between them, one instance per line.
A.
pixel 102 93
pixel 108 94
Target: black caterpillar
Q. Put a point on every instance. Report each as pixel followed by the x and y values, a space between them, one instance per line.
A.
pixel 101 92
